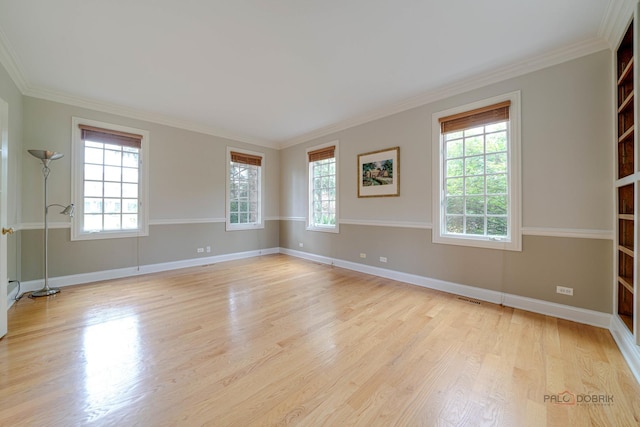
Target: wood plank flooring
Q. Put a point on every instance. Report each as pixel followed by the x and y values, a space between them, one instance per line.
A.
pixel 277 340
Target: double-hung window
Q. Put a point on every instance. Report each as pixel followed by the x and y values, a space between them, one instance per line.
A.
pixel 477 187
pixel 244 190
pixel 323 188
pixel 108 180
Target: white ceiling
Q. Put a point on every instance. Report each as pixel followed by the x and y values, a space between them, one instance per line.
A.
pixel 273 72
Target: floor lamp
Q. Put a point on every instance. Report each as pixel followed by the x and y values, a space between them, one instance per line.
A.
pixel 46 157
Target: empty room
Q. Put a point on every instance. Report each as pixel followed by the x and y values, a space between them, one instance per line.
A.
pixel 319 213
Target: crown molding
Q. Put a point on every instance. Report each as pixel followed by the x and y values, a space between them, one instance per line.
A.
pixel 615 21
pixel 105 107
pixel 549 59
pixel 613 24
pixel 10 62
pixel 9 59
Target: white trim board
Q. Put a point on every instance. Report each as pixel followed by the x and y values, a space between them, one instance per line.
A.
pixel 526 66
pixel 575 314
pixel 561 311
pixel 9 59
pixel 615 20
pixel 630 351
pixel 576 233
pixel 40 225
pixel 383 223
pixel 78 279
pixel 11 297
pixel 168 221
pixel 183 221
pixel 293 218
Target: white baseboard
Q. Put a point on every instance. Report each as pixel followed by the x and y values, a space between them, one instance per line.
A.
pixel 11 298
pixel 580 315
pixel 625 340
pixel 630 351
pixel 77 279
pixel 561 311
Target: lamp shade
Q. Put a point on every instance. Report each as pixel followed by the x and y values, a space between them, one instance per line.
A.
pixel 69 210
pixel 45 155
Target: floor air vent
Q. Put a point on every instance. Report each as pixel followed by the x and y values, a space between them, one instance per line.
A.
pixel 472 301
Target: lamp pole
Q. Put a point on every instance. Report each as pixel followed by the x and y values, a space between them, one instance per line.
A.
pixel 45 172
pixel 46 157
pixel 46 291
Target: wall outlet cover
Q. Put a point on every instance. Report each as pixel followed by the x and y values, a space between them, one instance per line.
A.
pixel 564 290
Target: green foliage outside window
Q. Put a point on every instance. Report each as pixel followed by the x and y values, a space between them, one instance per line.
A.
pixel 476 181
pixel 323 192
pixel 244 182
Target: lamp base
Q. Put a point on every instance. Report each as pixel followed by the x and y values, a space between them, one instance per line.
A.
pixel 44 292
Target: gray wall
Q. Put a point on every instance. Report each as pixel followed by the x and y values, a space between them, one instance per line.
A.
pixel 566 185
pixel 12 96
pixel 186 197
pixel 165 243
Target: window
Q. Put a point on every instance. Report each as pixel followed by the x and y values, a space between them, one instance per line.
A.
pixel 244 190
pixel 477 161
pixel 108 180
pixel 323 188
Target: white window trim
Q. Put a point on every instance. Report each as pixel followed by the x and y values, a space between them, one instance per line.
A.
pixel 77 191
pixel 324 228
pixel 514 243
pixel 253 226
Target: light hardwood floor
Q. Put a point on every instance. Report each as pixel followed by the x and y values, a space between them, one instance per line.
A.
pixel 280 341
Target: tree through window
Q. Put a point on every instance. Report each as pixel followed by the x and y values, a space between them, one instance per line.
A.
pixel 244 190
pixel 478 166
pixel 323 191
pixel 109 180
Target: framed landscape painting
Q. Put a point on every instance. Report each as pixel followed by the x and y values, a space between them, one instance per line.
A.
pixel 379 173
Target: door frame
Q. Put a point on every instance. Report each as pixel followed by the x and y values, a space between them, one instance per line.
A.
pixel 4 155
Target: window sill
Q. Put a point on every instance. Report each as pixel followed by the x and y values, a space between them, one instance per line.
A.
pixel 244 227
pixel 325 229
pixel 98 235
pixel 482 242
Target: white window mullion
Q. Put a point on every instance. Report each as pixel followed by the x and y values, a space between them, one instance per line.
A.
pixel 93 223
pixel 244 190
pixel 480 141
pixel 322 177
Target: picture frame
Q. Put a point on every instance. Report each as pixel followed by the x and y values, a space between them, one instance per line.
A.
pixel 379 173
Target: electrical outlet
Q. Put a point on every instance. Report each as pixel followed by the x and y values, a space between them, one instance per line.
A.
pixel 383 259
pixel 564 290
pixel 208 249
pixel 301 244
pixel 200 250
pixel 363 255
